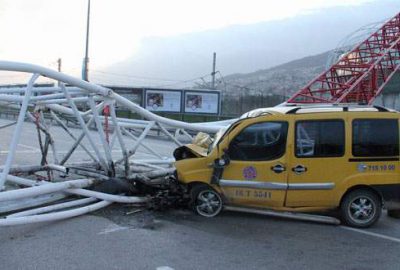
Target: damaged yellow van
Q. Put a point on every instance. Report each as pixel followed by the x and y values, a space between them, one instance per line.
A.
pixel 299 159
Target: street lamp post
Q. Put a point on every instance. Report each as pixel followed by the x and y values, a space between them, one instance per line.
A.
pixel 85 66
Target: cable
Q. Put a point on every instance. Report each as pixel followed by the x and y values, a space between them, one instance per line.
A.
pixel 186 81
pixel 134 76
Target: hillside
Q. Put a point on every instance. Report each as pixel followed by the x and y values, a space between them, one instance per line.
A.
pixel 282 80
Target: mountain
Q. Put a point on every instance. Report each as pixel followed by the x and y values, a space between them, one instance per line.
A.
pixel 246 48
pixel 284 79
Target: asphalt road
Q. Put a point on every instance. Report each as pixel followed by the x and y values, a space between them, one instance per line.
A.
pixel 180 240
pixel 177 239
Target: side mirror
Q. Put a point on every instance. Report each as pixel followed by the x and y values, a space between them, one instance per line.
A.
pixel 219 165
pixel 223 161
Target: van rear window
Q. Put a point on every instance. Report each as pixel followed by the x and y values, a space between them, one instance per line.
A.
pixel 320 138
pixel 375 137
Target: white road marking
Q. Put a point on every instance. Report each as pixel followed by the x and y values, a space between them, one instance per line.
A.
pixel 164 268
pixel 382 236
pixel 21 152
pixel 29 147
pixel 112 228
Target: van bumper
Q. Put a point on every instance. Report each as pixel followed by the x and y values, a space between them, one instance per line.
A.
pixel 390 194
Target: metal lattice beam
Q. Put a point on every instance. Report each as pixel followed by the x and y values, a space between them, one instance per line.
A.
pixel 361 74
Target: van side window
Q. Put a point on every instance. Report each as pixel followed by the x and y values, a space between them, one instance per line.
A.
pixel 320 138
pixel 261 141
pixel 375 137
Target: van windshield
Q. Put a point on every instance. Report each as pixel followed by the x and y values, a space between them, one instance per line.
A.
pixel 217 138
pixel 221 134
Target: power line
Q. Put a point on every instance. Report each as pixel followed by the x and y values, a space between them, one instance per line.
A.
pixel 134 76
pixel 186 81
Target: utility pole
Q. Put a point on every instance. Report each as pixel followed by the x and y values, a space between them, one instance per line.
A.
pixel 59 68
pixel 85 66
pixel 59 64
pixel 213 71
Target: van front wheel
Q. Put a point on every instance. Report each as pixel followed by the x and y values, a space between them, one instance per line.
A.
pixel 206 202
pixel 361 208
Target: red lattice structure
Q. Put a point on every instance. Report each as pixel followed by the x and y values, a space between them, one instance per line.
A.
pixel 361 74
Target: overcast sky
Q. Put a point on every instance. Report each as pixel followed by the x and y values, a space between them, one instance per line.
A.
pixel 40 31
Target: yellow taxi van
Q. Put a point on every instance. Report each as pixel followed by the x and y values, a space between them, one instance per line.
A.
pixel 299 159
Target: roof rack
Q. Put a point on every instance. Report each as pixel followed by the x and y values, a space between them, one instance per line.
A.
pixel 345 107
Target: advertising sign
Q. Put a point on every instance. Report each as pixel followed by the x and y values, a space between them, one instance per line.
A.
pixel 201 102
pixel 163 100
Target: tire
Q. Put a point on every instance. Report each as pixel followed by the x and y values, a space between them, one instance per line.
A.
pixel 394 213
pixel 361 208
pixel 205 201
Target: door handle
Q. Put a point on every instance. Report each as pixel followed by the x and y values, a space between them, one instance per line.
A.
pixel 278 168
pixel 299 169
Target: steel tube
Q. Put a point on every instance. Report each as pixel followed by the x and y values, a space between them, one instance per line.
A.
pixel 17 131
pixel 137 143
pixel 100 131
pixel 16 205
pixel 85 129
pixel 24 67
pixel 77 141
pixel 51 208
pixel 82 192
pixel 129 134
pixel 44 189
pixel 54 216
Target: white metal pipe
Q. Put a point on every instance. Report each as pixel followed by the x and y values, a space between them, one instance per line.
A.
pixel 100 130
pixel 40 89
pixel 85 129
pixel 48 96
pixel 137 143
pixel 64 100
pixel 113 140
pixel 16 205
pixel 44 189
pixel 82 192
pixel 108 197
pixel 11 98
pixel 57 168
pixel 98 108
pixel 149 165
pixel 120 139
pixel 155 161
pixel 54 207
pixel 17 131
pixel 54 216
pixel 166 132
pixel 211 127
pixel 24 67
pixel 129 134
pixel 77 141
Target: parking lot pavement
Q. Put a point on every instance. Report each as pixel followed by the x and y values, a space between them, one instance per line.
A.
pixel 178 239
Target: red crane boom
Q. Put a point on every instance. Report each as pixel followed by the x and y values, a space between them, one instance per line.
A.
pixel 361 74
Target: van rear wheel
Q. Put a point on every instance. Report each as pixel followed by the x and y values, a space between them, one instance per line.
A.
pixel 361 208
pixel 205 201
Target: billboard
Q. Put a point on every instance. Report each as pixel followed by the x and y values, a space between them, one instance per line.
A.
pixel 202 102
pixel 163 100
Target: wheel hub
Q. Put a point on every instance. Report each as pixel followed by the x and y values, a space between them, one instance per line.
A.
pixel 208 203
pixel 361 209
